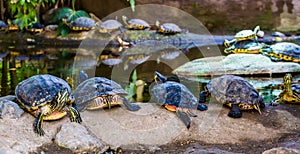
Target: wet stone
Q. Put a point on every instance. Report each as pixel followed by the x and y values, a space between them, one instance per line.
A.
pixel 75 137
pixel 9 109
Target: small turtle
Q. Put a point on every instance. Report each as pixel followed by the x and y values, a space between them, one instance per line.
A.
pixel 99 92
pixel 80 24
pixel 290 94
pixel 283 51
pixel 109 26
pixel 168 28
pixel 247 34
pixel 47 98
pixel 36 28
pixel 135 24
pixel 175 97
pixel 3 26
pixel 234 92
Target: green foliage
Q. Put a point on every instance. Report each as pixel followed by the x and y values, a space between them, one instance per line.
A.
pixel 68 14
pixel 132 4
pixel 25 11
pixel 131 88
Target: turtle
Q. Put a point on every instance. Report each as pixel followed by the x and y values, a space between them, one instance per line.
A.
pixel 290 93
pixel 3 26
pixel 235 92
pixel 100 92
pixel 36 28
pixel 247 34
pixel 168 28
pixel 46 97
pixel 136 24
pixel 245 46
pixel 175 97
pixel 109 26
pixel 283 51
pixel 80 23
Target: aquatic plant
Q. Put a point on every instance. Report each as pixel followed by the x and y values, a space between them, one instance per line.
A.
pixel 131 88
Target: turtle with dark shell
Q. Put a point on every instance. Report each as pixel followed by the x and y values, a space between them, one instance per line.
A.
pixel 99 92
pixel 47 98
pixel 235 92
pixel 80 24
pixel 175 97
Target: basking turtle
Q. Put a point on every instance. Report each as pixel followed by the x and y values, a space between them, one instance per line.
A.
pixel 247 34
pixel 283 51
pixel 109 26
pixel 47 98
pixel 168 28
pixel 135 24
pixel 246 46
pixel 175 97
pixel 80 24
pixel 99 92
pixel 3 26
pixel 36 28
pixel 290 94
pixel 234 92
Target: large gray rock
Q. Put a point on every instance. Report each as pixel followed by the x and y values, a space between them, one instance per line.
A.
pixel 281 150
pixel 9 109
pixel 77 138
pixel 236 64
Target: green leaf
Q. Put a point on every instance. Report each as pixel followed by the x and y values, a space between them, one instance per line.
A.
pixel 132 5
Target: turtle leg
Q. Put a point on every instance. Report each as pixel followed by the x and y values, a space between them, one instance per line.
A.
pixel 275 101
pixel 74 113
pixel 37 125
pixel 184 118
pixel 202 96
pixel 202 99
pixel 235 111
pixel 130 106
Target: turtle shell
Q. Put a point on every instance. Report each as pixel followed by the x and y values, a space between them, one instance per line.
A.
pixel 96 87
pixel 110 25
pixel 229 89
pixel 173 93
pixel 137 24
pixel 40 90
pixel 169 28
pixel 244 34
pixel 3 25
pixel 82 23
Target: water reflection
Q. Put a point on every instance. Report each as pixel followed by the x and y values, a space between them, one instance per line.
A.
pixel 17 65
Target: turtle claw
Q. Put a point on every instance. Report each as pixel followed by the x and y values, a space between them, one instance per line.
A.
pixel 202 107
pixel 235 112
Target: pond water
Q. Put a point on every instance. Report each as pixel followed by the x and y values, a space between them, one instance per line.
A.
pixel 115 63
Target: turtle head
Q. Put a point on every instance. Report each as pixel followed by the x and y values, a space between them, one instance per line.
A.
pixel 62 97
pixel 159 78
pixel 124 18
pixel 256 29
pixel 287 79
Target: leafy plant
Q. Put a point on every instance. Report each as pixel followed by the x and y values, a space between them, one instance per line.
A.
pixel 68 14
pixel 25 11
pixel 131 88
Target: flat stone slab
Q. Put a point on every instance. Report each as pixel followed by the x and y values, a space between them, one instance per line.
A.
pixel 235 64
